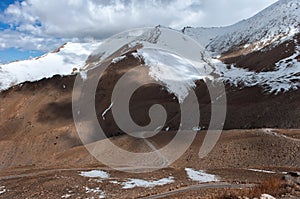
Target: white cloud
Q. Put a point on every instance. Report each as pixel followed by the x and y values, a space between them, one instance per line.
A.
pixel 36 24
pixel 227 12
pixel 23 41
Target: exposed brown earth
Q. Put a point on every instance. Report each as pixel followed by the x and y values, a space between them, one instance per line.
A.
pixel 236 151
pixel 264 59
pixel 43 110
pixel 246 107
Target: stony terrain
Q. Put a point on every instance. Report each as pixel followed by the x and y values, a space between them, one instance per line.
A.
pixel 235 161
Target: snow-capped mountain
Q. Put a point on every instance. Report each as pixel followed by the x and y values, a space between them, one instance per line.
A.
pixel 261 51
pixel 66 60
pixel 277 23
pixel 177 64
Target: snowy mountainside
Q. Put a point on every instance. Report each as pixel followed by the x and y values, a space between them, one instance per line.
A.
pixel 284 78
pixel 64 61
pixel 276 23
pixel 157 37
pixel 177 64
pixel 184 60
pixel 261 51
pixel 179 70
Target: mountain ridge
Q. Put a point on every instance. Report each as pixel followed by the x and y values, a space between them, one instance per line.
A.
pixel 281 19
pixel 235 46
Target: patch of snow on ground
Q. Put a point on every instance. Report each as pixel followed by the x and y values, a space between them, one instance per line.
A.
pixel 106 110
pixel 196 128
pixel 96 191
pixel 114 182
pixel 200 176
pixel 66 196
pixel 178 73
pixel 132 183
pixel 118 59
pixel 2 189
pixel 72 55
pixel 266 196
pixel 83 75
pixel 261 171
pixel 95 174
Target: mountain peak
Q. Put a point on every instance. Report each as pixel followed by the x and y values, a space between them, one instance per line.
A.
pixel 277 22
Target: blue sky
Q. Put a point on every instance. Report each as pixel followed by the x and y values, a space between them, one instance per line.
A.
pixel 12 54
pixel 3 6
pixel 30 28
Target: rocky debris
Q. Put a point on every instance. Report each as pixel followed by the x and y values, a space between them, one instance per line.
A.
pixel 292 183
pixel 294 174
pixel 243 197
pixel 292 178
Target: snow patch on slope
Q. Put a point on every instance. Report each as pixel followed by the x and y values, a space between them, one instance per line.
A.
pixel 2 189
pixel 200 176
pixel 95 191
pixel 176 64
pixel 178 73
pixel 262 171
pixel 118 59
pixel 106 110
pixel 69 57
pixel 111 45
pixel 67 195
pixel 132 183
pixel 95 174
pixel 285 77
pixel 158 37
pixel 266 196
pixel 205 35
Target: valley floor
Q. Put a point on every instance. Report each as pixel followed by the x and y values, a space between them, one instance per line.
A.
pixel 243 163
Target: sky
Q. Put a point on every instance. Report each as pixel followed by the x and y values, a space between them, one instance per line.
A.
pixel 29 28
